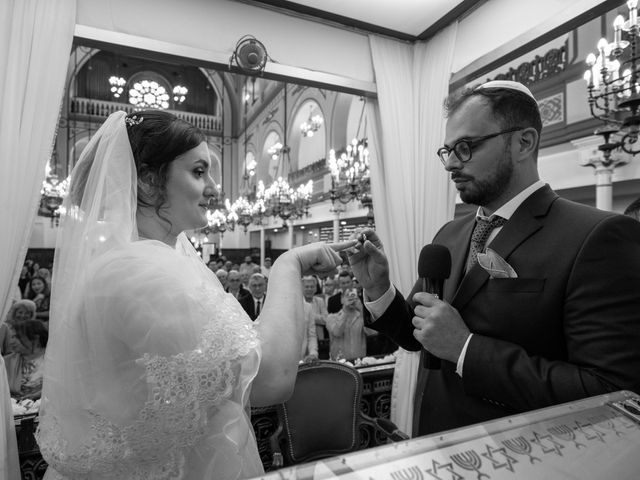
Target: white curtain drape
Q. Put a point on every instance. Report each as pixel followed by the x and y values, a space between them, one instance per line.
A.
pixel 412 195
pixel 35 41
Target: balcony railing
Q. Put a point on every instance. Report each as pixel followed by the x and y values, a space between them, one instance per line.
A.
pixel 100 109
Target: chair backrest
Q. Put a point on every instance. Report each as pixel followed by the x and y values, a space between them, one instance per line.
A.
pixel 322 417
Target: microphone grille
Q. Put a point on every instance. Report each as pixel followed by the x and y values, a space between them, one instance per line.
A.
pixel 434 262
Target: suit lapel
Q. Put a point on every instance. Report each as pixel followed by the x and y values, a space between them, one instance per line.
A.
pixel 459 258
pixel 523 223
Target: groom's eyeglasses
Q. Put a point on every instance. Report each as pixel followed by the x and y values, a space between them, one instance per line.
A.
pixel 464 148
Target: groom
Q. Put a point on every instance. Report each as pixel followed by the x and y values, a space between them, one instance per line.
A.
pixel 564 325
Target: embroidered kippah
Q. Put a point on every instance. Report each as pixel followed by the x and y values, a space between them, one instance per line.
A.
pixel 508 84
pixel 133 120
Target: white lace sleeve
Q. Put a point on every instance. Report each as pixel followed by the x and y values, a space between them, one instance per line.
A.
pixel 165 357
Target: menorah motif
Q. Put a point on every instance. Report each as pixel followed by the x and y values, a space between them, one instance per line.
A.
pixel 521 446
pixel 590 432
pixel 469 460
pixel 566 433
pixel 412 473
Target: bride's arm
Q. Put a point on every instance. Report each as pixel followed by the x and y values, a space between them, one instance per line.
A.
pixel 281 323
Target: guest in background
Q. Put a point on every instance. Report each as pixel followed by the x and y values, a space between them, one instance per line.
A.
pixel 228 265
pixel 222 275
pixel 347 337
pixel 254 302
pixel 23 281
pixel 317 312
pixel 246 269
pixel 45 274
pixel 25 364
pixel 266 267
pixel 20 311
pixel 234 285
pixel 345 282
pixel 39 292
pixel 328 288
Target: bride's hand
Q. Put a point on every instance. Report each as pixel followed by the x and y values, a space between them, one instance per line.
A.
pixel 320 258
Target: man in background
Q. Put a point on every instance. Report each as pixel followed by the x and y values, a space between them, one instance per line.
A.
pixel 345 282
pixel 234 285
pixel 266 267
pixel 254 302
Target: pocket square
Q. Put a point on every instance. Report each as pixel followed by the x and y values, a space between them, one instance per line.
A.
pixel 495 265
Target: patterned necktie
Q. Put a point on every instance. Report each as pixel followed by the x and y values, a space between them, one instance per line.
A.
pixel 481 233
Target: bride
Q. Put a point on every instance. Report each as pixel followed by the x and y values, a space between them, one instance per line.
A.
pixel 151 367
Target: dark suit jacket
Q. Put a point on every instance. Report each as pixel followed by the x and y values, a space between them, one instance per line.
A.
pixel 567 328
pixel 249 305
pixel 334 303
pixel 243 292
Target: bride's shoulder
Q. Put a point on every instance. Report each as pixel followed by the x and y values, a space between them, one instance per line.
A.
pixel 138 265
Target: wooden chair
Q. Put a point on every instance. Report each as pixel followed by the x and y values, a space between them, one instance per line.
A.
pixel 323 417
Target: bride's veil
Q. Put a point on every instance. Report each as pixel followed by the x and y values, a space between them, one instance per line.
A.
pixel 97 215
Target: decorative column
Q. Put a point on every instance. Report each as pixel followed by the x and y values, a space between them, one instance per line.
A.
pixel 336 226
pixel 261 245
pixel 290 235
pixel 604 159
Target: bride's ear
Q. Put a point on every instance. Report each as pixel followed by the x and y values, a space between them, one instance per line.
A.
pixel 147 187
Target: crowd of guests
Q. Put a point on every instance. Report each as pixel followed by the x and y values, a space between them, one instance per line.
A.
pixel 24 332
pixel 335 314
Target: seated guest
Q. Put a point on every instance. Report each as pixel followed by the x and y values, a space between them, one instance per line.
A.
pixel 347 336
pixel 25 365
pixel 317 312
pixel 19 312
pixel 254 302
pixel 234 285
pixel 222 275
pixel 39 292
pixel 309 349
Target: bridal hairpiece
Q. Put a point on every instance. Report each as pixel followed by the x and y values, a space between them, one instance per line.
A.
pixel 134 120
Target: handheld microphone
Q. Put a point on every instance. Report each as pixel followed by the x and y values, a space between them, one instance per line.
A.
pixel 434 267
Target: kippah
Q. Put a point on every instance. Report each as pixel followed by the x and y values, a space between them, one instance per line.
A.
pixel 507 84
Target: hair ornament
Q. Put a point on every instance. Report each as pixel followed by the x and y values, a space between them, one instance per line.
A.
pixel 133 120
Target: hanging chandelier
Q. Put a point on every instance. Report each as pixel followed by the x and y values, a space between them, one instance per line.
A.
pixel 180 94
pixel 53 193
pixel 312 125
pixel 350 173
pixel 613 85
pixel 281 200
pixel 117 85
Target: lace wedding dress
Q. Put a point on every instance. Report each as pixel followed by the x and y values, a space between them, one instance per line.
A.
pixel 168 361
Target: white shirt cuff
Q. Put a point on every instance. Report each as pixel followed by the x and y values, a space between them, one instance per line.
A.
pixel 379 306
pixel 462 355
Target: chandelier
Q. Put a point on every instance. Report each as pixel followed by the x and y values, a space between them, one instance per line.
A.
pixel 180 94
pixel 281 200
pixel 613 85
pixel 149 94
pixel 312 125
pixel 53 193
pixel 247 211
pixel 350 172
pixel 117 85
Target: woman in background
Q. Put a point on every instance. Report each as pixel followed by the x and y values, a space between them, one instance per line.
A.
pixel 38 291
pixel 150 364
pixel 25 365
pixel 19 312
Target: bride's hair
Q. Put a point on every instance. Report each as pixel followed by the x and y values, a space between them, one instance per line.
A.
pixel 157 138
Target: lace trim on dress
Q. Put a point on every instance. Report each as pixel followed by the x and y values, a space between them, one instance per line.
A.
pixel 182 391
